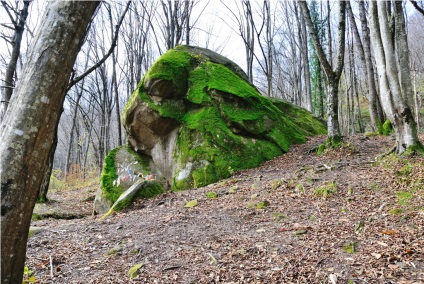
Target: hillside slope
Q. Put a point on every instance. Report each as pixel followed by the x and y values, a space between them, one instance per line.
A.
pixel 283 222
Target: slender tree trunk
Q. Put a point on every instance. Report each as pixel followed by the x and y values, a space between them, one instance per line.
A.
pixel 27 133
pixel 333 127
pixel 305 59
pixel 16 49
pixel 321 93
pixel 269 44
pixel 333 76
pixel 358 105
pixel 71 134
pixel 375 109
pixel 250 41
pixel 417 107
pixel 329 38
pixel 187 21
pixel 117 108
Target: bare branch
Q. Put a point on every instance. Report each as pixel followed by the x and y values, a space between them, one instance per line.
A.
pixel 8 26
pixel 7 7
pixel 106 56
pixel 419 9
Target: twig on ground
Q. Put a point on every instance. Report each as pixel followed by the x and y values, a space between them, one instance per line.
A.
pixel 297 262
pixel 51 267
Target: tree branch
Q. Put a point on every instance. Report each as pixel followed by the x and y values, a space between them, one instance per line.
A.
pixel 419 9
pixel 106 56
pixel 7 7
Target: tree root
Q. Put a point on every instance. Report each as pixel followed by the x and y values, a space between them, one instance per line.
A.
pixel 392 150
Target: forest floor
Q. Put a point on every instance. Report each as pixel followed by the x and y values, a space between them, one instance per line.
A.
pixel 340 217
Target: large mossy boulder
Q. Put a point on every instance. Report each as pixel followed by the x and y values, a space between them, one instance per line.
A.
pixel 198 119
pixel 195 119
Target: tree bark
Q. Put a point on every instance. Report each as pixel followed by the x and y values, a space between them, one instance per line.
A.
pixel 305 58
pixel 27 133
pixel 394 97
pixel 376 114
pixel 42 197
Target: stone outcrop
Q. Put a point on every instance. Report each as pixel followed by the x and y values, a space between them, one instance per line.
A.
pixel 196 119
pixel 123 168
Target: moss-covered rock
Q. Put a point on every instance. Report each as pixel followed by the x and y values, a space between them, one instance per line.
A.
pixel 122 168
pixel 198 119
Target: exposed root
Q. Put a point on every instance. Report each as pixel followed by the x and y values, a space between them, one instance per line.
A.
pixel 392 150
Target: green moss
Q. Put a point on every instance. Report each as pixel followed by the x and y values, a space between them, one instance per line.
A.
pixel 406 170
pixel 326 190
pixel 151 189
pixel 42 199
pixel 233 189
pixel 277 216
pixel 36 217
pixel 386 128
pixel 108 175
pixel 303 119
pixel 350 247
pixel 375 186
pixel 404 197
pixel 174 66
pixel 262 205
pixel 395 211
pixel 213 133
pixel 372 134
pixel 131 101
pixel 204 175
pixel 334 142
pixel 414 149
pixel 321 149
pixel 211 194
pixel 276 183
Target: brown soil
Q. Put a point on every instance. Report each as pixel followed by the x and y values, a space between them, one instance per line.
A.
pixel 352 234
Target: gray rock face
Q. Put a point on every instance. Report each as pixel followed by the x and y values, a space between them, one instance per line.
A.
pixel 101 203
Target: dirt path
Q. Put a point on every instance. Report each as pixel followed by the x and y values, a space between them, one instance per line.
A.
pixel 267 225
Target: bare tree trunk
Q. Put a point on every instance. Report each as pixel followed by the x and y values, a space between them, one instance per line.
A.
pixel 333 76
pixel 27 133
pixel 250 41
pixel 330 40
pixel 394 97
pixel 305 59
pixel 117 107
pixel 375 109
pixel 417 107
pixel 403 57
pixel 71 133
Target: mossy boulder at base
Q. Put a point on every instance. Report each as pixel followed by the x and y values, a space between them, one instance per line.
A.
pixel 122 168
pixel 196 119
